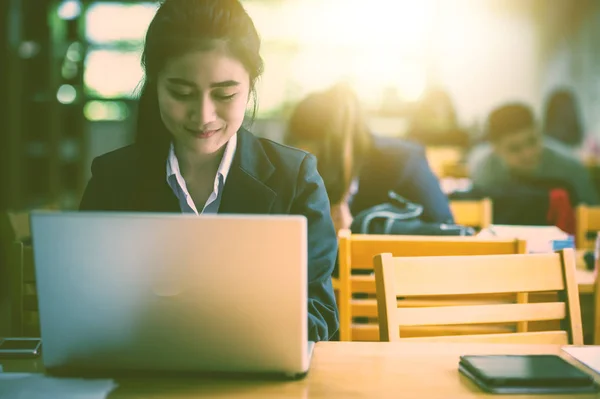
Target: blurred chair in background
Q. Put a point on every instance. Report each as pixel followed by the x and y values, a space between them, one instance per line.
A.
pixel 587 221
pixel 356 253
pixel 473 213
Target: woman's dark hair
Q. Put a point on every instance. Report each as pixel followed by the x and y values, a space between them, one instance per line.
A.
pixel 509 119
pixel 334 123
pixel 435 112
pixel 181 26
pixel 561 118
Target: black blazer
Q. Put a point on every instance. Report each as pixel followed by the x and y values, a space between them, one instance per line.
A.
pixel 399 165
pixel 265 178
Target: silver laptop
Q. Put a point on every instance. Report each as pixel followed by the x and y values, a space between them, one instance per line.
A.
pixel 172 292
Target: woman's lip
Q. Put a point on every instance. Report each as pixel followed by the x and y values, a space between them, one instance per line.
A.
pixel 203 133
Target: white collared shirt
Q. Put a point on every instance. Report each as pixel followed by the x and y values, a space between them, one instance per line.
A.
pixel 177 182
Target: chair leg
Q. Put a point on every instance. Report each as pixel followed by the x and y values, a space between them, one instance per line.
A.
pixel 15 266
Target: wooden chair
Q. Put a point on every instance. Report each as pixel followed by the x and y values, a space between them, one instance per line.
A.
pixel 473 213
pixel 356 252
pixel 587 219
pixel 24 302
pixel 456 170
pixel 488 274
pixel 19 222
pixel 597 311
pixel 439 156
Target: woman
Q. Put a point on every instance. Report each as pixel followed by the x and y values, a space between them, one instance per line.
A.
pixel 359 169
pixel 562 121
pixel 191 154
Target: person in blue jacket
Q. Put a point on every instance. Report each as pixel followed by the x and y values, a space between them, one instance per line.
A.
pixel 191 154
pixel 358 167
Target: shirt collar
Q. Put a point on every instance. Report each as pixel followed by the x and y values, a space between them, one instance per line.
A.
pixel 224 165
pixel 227 159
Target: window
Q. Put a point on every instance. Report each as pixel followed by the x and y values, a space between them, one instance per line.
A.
pixel 115 34
pixel 380 47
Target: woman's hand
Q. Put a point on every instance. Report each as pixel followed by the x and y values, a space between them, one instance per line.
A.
pixel 341 216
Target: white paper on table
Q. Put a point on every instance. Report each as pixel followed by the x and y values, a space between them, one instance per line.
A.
pixel 39 386
pixel 539 238
pixel 589 355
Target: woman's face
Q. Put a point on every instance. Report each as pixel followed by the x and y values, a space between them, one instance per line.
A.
pixel 202 97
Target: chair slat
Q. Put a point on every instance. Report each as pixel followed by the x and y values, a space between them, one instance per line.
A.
pixel 365 247
pixel 335 283
pixel 363 284
pixel 532 338
pixel 368 307
pixel 472 213
pixel 477 275
pixel 480 314
pixel 370 332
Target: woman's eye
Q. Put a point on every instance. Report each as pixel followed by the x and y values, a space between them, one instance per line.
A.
pixel 181 94
pixel 223 96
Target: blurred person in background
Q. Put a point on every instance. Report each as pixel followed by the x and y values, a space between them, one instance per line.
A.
pixel 562 122
pixel 434 121
pixel 518 156
pixel 359 168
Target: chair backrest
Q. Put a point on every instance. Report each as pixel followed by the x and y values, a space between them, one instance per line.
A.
pixel 356 253
pixel 439 156
pixel 596 311
pixel 19 222
pixel 457 170
pixel 473 213
pixel 484 274
pixel 23 296
pixel 587 221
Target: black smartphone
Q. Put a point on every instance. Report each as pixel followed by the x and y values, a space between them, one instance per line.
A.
pixel 20 347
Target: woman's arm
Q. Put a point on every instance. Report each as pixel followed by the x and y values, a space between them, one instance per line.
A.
pixel 311 200
pixel 94 196
pixel 113 178
pixel 421 186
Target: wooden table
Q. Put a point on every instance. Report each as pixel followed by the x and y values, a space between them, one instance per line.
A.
pixel 585 281
pixel 585 278
pixel 343 370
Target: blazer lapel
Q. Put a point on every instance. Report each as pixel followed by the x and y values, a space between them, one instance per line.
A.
pixel 246 190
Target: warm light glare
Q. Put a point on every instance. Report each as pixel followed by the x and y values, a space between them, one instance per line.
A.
pixel 106 111
pixel 74 52
pixel 110 22
pixel 66 94
pixel 474 44
pixel 69 70
pixel 364 44
pixel 69 9
pixel 112 74
pixel 385 49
